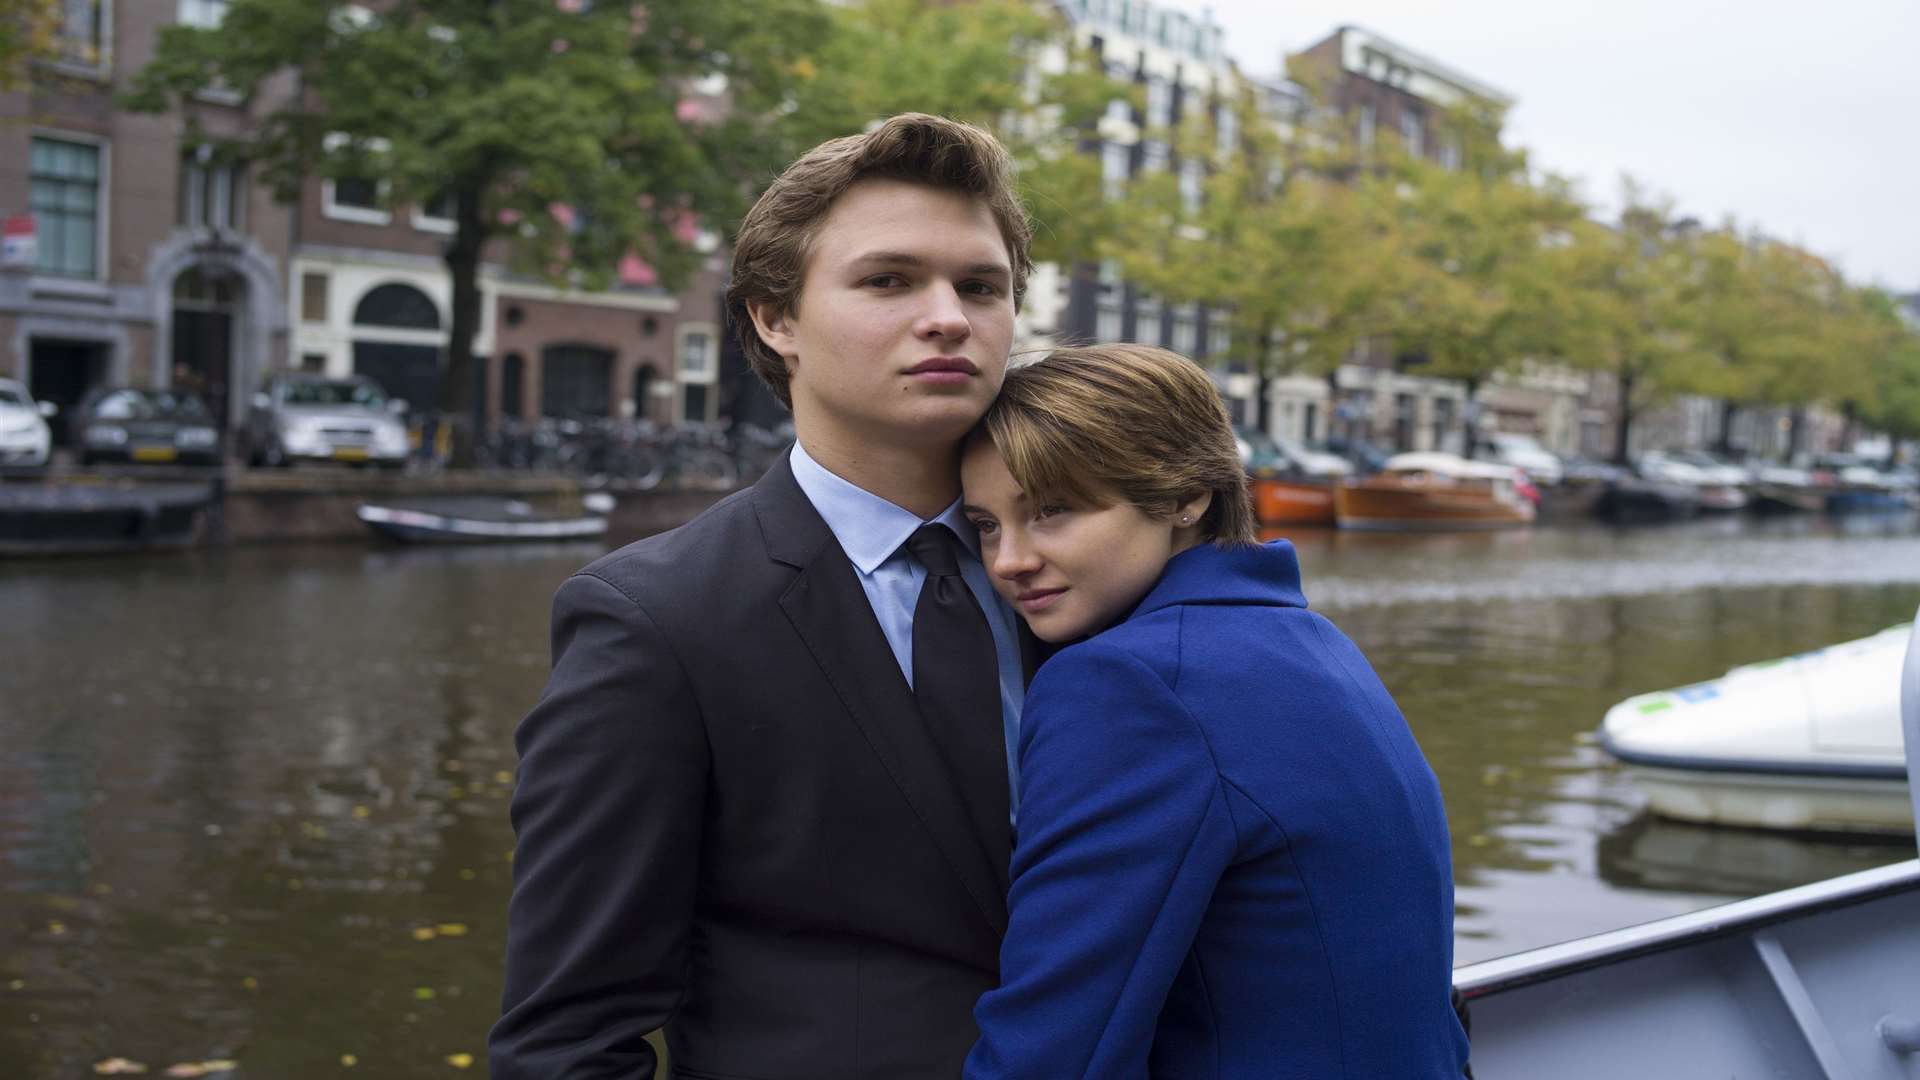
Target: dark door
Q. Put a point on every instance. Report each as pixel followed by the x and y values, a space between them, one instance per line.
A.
pixel 576 380
pixel 403 371
pixel 642 390
pixel 62 372
pixel 203 356
pixel 513 375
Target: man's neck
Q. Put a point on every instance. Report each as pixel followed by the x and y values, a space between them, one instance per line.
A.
pixel 924 480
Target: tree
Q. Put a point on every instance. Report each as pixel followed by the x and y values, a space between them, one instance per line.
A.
pixel 1625 313
pixel 1481 291
pixel 29 31
pixel 561 127
pixel 1891 404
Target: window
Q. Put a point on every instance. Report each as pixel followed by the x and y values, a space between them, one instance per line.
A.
pixel 313 297
pixel 1219 336
pixel 1450 153
pixel 696 359
pixel 83 32
pixel 1414 130
pixel 1106 323
pixel 66 207
pixel 355 198
pixel 1366 125
pixel 1113 168
pixel 436 214
pixel 211 194
pixel 1185 330
pixel 399 306
pixel 1159 103
pixel 1192 181
pixel 314 362
pixel 206 14
pixel 1146 322
pixel 1225 125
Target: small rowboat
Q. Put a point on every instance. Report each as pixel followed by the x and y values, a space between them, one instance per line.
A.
pixel 1433 491
pixel 475 520
pixel 1811 742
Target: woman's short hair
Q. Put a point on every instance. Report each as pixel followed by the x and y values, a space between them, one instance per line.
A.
pixel 776 237
pixel 1090 423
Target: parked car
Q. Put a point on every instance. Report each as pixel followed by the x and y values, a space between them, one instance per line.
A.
pixel 1525 453
pixel 25 439
pixel 152 426
pixel 298 416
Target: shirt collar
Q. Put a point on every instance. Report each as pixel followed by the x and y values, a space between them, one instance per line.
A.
pixel 870 529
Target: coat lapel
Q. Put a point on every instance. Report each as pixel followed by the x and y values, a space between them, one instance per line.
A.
pixel 830 612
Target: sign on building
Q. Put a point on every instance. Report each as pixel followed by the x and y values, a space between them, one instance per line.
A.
pixel 17 246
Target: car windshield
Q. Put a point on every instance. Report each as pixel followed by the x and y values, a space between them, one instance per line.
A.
pixel 10 396
pixel 149 405
pixel 363 394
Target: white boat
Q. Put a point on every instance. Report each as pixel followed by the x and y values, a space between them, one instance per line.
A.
pixel 1810 742
pixel 1814 981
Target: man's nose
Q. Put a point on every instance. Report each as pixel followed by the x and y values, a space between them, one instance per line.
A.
pixel 945 315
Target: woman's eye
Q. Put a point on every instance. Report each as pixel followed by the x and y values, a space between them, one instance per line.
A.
pixel 983 526
pixel 1050 510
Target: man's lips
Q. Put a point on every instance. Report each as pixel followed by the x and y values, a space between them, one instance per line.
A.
pixel 957 365
pixel 1034 600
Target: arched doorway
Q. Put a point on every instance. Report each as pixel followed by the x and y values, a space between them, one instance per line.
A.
pixel 576 380
pixel 206 301
pixel 389 325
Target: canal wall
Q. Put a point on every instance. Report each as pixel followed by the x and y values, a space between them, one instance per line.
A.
pixel 259 506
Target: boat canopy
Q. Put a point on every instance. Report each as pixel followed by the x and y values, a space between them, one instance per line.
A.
pixel 1449 465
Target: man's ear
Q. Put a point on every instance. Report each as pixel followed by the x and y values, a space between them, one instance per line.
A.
pixel 774 327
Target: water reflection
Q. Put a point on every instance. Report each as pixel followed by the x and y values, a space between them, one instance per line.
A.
pixel 252 803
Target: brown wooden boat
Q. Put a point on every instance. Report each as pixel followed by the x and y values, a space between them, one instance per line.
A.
pixel 1293 502
pixel 1430 491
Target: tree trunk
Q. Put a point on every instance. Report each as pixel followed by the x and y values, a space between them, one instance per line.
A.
pixel 1796 431
pixel 1263 401
pixel 1469 413
pixel 1344 429
pixel 1728 411
pixel 1624 431
pixel 463 265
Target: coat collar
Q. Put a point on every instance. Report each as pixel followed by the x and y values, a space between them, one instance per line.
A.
pixel 1268 574
pixel 831 614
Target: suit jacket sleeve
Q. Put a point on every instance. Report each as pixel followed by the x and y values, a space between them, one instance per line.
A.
pixel 606 814
pixel 1124 831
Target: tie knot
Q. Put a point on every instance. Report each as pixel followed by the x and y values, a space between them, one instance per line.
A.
pixel 933 545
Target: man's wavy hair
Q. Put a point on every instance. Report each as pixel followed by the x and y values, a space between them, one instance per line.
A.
pixel 776 238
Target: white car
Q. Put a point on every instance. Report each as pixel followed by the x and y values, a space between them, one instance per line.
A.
pixel 24 437
pixel 1525 453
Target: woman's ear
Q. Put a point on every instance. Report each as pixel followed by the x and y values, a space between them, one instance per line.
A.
pixel 1188 514
pixel 775 327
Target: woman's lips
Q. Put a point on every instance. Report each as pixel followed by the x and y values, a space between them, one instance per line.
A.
pixel 1038 600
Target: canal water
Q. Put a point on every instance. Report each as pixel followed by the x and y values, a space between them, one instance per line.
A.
pixel 253 802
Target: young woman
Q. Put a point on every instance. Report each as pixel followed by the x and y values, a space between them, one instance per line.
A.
pixel 1231 857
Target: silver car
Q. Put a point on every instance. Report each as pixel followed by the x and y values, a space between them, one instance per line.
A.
pixel 315 418
pixel 24 437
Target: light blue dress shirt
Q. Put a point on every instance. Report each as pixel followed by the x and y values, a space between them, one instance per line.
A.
pixel 871 531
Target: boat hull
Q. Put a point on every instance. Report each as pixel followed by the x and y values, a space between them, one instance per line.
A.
pixel 1386 504
pixel 1800 802
pixel 1293 502
pixel 1810 981
pixel 416 525
pixel 65 519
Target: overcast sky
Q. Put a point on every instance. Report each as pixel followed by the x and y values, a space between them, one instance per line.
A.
pixel 1801 118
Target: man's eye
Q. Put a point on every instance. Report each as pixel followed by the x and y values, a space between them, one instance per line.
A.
pixel 981 288
pixel 885 281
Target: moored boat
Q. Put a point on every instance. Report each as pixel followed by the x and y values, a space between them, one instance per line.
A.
pixel 1809 981
pixel 475 520
pixel 1280 501
pixel 62 519
pixel 1810 742
pixel 1634 500
pixel 1431 492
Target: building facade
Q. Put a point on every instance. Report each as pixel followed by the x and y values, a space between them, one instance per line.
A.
pixel 152 262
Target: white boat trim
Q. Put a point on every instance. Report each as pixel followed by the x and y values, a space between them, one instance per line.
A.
pixel 416 519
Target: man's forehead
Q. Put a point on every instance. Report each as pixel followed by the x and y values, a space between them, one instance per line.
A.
pixel 879 218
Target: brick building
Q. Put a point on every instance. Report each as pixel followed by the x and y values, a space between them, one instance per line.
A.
pixel 153 264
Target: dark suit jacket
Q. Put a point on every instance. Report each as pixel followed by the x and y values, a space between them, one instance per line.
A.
pixel 1233 859
pixel 732 824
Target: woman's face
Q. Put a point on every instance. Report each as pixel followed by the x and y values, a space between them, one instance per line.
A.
pixel 1070 571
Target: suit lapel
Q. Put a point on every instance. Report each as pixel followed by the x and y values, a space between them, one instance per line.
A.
pixel 830 612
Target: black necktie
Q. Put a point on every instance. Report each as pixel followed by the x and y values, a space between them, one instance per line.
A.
pixel 956 679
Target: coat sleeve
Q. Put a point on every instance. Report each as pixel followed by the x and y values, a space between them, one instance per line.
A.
pixel 606 816
pixel 1123 834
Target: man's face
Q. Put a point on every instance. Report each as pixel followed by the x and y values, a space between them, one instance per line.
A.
pixel 905 317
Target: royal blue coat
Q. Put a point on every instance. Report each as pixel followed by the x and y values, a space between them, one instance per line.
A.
pixel 1232 860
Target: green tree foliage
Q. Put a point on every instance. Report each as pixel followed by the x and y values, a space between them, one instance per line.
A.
pixel 29 31
pixel 1891 401
pixel 561 127
pixel 1626 313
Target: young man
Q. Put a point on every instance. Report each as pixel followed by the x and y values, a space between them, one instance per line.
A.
pixel 763 802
